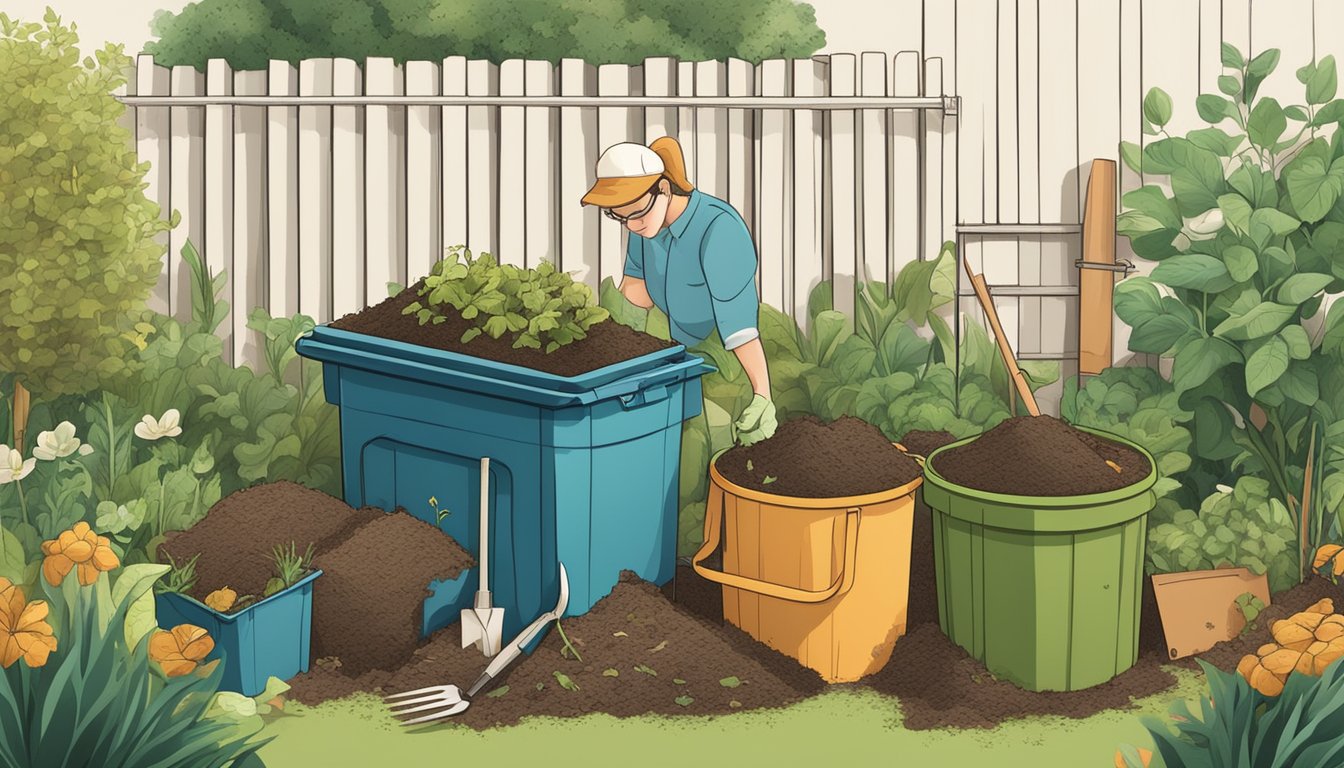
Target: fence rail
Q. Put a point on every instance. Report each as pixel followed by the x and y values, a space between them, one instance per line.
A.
pixel 313 186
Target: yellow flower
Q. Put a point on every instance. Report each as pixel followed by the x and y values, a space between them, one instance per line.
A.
pixel 24 632
pixel 1324 555
pixel 77 546
pixel 179 651
pixel 221 599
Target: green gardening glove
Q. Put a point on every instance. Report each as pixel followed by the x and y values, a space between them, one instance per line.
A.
pixel 757 422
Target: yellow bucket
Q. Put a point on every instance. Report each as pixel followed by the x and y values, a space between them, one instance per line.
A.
pixel 826 581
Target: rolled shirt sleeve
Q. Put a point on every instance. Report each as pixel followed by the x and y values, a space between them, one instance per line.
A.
pixel 634 256
pixel 728 258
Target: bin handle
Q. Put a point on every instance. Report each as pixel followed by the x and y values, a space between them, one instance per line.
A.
pixel 648 380
pixel 713 526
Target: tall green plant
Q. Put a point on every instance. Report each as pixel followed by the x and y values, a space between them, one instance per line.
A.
pixel 77 252
pixel 99 699
pixel 1248 242
pixel 1239 726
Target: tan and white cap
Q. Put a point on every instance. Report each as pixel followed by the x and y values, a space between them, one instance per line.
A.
pixel 626 171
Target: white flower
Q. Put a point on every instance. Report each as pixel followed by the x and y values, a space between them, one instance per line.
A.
pixel 59 443
pixel 167 425
pixel 12 465
pixel 1205 225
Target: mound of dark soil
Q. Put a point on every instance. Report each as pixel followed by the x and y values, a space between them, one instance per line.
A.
pixel 1041 456
pixel 368 605
pixel 810 458
pixel 640 654
pixel 923 442
pixel 236 538
pixel 607 342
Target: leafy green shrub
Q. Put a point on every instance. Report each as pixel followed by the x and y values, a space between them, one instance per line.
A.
pixel 1238 725
pixel 541 306
pixel 1241 526
pixel 249 32
pixel 99 699
pixel 1248 244
pixel 77 254
pixel 234 427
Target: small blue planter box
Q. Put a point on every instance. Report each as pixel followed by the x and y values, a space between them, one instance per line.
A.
pixel 583 469
pixel 269 638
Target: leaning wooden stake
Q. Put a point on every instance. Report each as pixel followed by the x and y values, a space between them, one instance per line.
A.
pixel 1019 378
pixel 1096 280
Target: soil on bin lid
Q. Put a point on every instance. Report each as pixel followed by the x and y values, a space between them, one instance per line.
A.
pixel 639 654
pixel 922 442
pixel 369 608
pixel 1041 456
pixel 607 342
pixel 235 540
pixel 810 458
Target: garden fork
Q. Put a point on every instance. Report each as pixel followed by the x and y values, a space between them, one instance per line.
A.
pixel 444 701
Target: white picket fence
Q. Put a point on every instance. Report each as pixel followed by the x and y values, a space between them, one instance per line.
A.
pixel 314 186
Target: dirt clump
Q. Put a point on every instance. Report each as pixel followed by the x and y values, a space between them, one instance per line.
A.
pixel 606 343
pixel 1041 456
pixel 810 458
pixel 368 605
pixel 235 541
pixel 922 442
pixel 640 654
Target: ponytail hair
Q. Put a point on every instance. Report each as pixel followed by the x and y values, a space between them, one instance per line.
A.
pixel 674 164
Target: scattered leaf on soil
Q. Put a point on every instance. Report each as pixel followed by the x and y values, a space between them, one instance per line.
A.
pixel 611 672
pixel 658 647
pixel 565 682
pixel 619 634
pixel 645 669
pixel 730 682
pixel 684 701
pixel 735 704
pixel 540 686
pixel 500 691
pixel 751 467
pixel 678 681
pixel 769 479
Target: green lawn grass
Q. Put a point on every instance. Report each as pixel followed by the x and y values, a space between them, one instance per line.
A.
pixel 855 725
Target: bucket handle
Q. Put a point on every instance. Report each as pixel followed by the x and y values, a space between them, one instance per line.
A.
pixel 713 526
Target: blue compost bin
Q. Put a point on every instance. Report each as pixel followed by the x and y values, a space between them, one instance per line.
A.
pixel 269 638
pixel 583 469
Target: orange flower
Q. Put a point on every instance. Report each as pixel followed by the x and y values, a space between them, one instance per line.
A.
pixel 180 651
pixel 77 546
pixel 24 632
pixel 1325 553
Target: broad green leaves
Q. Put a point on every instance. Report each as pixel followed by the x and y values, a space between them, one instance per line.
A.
pixel 1261 320
pixel 1266 364
pixel 1200 359
pixel 1266 124
pixel 1196 271
pixel 1157 107
pixel 1314 186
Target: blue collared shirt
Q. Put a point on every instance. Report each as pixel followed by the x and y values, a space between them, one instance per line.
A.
pixel 701 271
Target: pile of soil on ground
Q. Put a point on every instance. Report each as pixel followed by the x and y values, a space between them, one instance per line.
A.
pixel 640 654
pixel 369 603
pixel 810 458
pixel 923 442
pixel 236 538
pixel 607 342
pixel 1041 456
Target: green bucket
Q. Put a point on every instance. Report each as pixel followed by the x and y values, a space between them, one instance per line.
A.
pixel 1043 590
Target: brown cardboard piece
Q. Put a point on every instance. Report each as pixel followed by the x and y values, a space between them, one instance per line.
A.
pixel 1199 608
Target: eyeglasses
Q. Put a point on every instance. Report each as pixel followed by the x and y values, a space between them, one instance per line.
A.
pixel 654 192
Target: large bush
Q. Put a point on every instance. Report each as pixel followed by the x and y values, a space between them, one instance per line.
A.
pixel 250 32
pixel 77 255
pixel 1249 241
